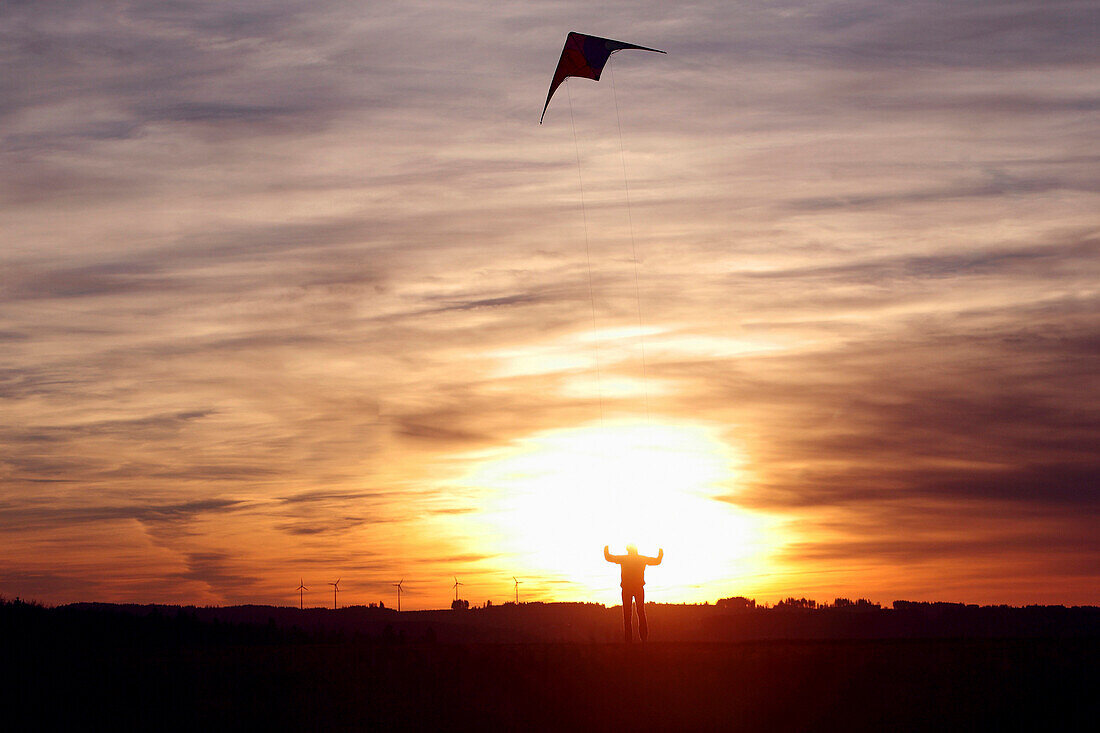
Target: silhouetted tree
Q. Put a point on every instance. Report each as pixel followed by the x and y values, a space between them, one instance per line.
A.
pixel 737 603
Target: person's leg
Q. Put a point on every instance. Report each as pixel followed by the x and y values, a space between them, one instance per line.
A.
pixel 628 612
pixel 643 627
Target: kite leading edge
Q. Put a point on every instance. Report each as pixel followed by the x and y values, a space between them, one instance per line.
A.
pixel 585 56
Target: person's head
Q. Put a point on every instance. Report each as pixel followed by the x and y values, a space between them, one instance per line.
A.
pixel 631 549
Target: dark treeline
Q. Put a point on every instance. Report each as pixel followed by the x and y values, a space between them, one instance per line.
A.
pixel 731 619
pixel 838 667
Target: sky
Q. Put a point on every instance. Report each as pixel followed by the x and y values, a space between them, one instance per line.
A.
pixel 298 291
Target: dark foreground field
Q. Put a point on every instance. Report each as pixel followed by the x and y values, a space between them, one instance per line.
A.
pixel 850 685
pixel 98 674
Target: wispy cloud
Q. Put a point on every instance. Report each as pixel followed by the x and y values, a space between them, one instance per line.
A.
pixel 275 278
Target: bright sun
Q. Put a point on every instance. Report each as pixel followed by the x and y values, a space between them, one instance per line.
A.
pixel 561 495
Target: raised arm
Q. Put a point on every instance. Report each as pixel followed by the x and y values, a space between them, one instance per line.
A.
pixel 609 557
pixel 656 560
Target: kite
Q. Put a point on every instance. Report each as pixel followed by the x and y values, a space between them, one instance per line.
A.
pixel 585 56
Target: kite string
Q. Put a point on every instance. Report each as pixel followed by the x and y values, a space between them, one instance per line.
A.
pixel 633 250
pixel 643 448
pixel 588 256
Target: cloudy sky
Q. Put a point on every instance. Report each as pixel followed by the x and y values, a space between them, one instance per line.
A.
pixel 303 290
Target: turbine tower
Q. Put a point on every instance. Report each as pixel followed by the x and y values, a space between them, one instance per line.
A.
pixel 455 586
pixel 517 589
pixel 398 587
pixel 335 590
pixel 301 590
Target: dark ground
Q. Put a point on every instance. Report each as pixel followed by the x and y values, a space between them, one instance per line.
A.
pixel 105 669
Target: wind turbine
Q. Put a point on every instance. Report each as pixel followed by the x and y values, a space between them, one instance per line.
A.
pixel 517 589
pixel 335 590
pixel 398 586
pixel 301 596
pixel 455 586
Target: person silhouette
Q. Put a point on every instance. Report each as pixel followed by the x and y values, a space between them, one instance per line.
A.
pixel 633 583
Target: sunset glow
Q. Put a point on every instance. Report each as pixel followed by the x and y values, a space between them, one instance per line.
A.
pixel 559 497
pixel 296 291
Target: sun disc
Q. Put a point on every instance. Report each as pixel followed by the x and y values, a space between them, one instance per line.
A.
pixel 561 495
